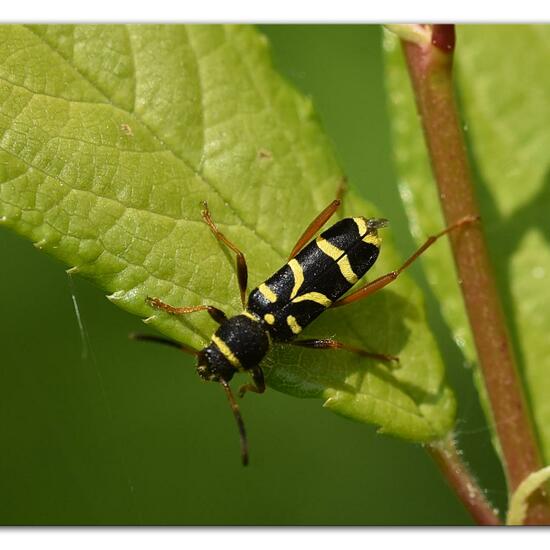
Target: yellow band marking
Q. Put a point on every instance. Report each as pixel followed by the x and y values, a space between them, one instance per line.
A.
pixel 372 238
pixel 298 274
pixel 226 352
pixel 268 293
pixel 250 315
pixel 314 297
pixel 329 249
pixel 269 318
pixel 346 270
pixel 361 225
pixel 341 259
pixel 293 324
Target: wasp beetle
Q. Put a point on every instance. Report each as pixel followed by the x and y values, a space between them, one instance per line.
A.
pixel 317 275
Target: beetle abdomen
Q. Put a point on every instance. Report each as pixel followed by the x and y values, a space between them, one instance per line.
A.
pixel 320 274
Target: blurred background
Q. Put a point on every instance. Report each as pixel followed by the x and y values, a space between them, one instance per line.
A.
pixel 101 430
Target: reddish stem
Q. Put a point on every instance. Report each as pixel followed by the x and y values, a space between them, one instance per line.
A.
pixel 462 481
pixel 443 37
pixel 430 69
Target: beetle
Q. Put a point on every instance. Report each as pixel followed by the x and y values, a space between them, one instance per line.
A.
pixel 316 276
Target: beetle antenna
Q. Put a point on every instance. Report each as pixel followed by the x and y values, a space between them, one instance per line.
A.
pixel 239 419
pixel 164 341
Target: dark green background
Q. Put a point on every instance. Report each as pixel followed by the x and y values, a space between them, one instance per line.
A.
pixel 130 435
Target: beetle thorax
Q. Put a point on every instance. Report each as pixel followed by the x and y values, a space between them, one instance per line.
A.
pixel 239 344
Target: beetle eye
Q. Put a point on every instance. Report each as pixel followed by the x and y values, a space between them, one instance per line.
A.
pixel 203 372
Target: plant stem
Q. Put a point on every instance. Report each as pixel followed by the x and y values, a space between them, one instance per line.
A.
pixel 462 481
pixel 430 69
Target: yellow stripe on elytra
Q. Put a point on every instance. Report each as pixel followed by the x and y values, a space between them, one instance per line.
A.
pixel 328 248
pixel 250 315
pixel 314 297
pixel 293 324
pixel 298 274
pixel 269 318
pixel 372 238
pixel 346 270
pixel 226 352
pixel 341 259
pixel 361 225
pixel 268 293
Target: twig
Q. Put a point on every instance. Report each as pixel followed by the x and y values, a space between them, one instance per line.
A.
pixel 462 481
pixel 430 69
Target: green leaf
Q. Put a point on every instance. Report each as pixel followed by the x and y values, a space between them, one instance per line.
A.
pixel 519 502
pixel 111 138
pixel 503 86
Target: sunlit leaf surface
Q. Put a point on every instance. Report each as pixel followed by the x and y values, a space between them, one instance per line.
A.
pixel 112 136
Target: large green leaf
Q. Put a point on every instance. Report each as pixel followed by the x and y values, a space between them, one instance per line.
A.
pixel 111 138
pixel 503 86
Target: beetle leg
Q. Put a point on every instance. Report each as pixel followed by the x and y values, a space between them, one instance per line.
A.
pixel 384 280
pixel 320 220
pixel 330 343
pixel 217 314
pixel 259 383
pixel 242 268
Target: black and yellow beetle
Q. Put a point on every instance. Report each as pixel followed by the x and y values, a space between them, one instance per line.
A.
pixel 316 276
